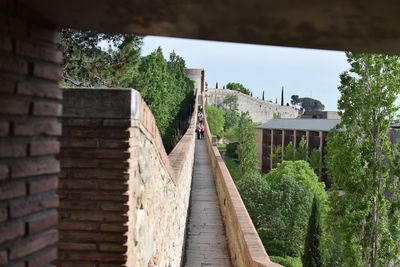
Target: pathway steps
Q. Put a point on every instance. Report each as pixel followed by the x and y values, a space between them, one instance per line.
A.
pixel 206 241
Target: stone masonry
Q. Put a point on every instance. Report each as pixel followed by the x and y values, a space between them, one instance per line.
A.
pixel 260 111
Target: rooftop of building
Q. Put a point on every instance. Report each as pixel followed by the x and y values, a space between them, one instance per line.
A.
pixel 301 124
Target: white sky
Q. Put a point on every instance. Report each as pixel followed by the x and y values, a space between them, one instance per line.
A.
pixel 305 72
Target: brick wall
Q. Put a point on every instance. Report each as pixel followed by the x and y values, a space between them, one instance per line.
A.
pixel 29 107
pixel 93 186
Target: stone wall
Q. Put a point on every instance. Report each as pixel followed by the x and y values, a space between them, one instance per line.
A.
pixel 123 200
pixel 30 104
pixel 159 195
pixel 260 111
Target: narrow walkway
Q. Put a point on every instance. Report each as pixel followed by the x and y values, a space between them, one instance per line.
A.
pixel 206 242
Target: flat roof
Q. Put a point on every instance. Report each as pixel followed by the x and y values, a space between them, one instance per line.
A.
pixel 301 124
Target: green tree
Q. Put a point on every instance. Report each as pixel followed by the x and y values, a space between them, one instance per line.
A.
pixel 238 87
pixel 306 103
pixel 302 172
pixel 285 219
pixel 279 212
pixel 153 85
pixel 247 145
pixel 289 152
pixel 312 255
pixel 301 150
pixel 231 118
pixel 231 102
pixel 215 120
pixel 89 64
pixel 358 159
pixel 254 190
pixel 276 156
pixel 315 161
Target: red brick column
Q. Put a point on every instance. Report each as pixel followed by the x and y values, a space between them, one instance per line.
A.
pixel 93 181
pixel 29 108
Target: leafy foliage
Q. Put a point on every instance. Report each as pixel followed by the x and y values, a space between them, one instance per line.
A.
pixel 276 156
pixel 287 261
pixel 231 150
pixel 365 208
pixel 312 254
pixel 88 64
pixel 315 161
pixel 231 102
pixel 162 84
pixel 303 174
pixel 307 104
pixel 247 145
pixel 287 207
pixel 231 118
pixel 238 87
pixel 215 120
pixel 290 152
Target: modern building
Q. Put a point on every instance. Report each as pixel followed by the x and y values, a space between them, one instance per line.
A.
pixel 280 132
pixel 321 115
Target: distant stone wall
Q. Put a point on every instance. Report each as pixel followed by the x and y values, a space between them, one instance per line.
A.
pixel 123 200
pixel 260 111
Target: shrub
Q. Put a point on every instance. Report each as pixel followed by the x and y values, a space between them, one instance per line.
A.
pixel 287 261
pixel 231 150
pixel 215 120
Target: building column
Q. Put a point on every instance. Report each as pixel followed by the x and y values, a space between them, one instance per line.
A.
pixel 321 144
pixel 272 149
pixel 30 106
pixel 283 143
pixel 307 143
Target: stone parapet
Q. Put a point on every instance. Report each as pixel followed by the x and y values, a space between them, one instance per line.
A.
pixel 123 199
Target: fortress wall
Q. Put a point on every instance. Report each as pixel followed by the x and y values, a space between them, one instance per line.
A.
pixel 123 199
pixel 260 111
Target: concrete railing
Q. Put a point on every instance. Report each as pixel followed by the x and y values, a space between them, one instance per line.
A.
pixel 245 246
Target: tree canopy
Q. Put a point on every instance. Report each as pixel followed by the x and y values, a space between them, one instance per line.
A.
pixel 365 198
pixel 247 145
pixel 102 60
pixel 307 104
pixel 94 59
pixel 238 87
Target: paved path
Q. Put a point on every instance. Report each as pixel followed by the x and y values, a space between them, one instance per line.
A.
pixel 206 242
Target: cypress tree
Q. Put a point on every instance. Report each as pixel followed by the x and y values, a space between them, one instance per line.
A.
pixel 282 97
pixel 312 255
pixel 216 85
pixel 263 95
